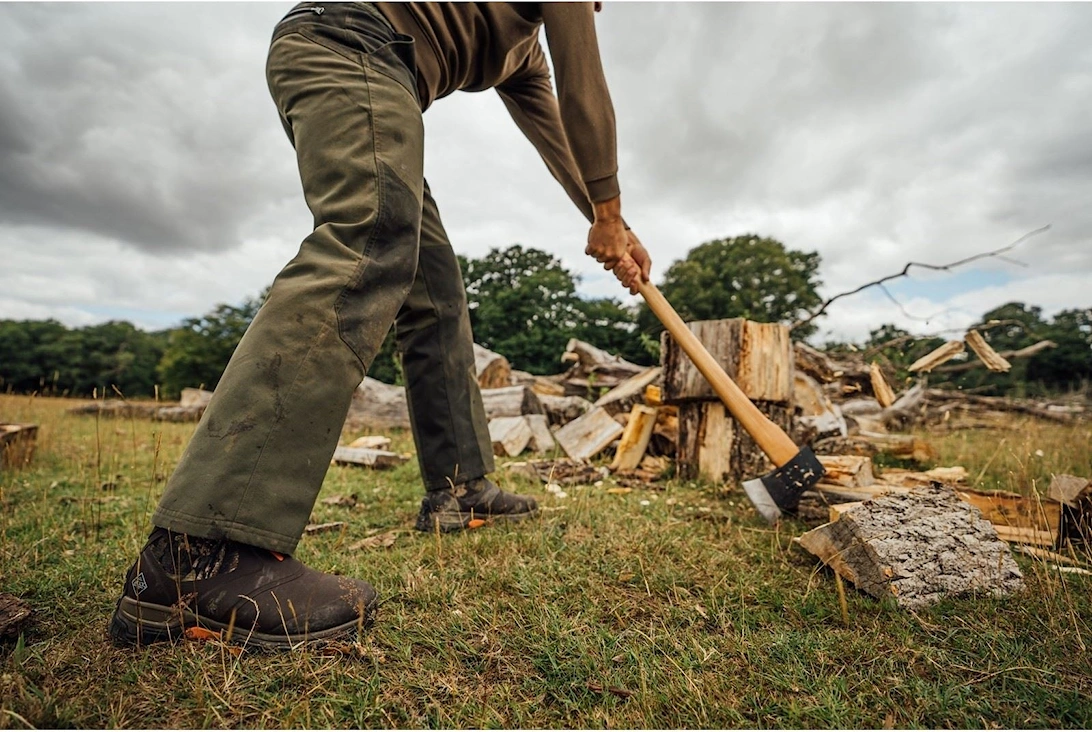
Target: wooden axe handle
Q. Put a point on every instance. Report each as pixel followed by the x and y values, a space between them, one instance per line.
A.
pixel 772 439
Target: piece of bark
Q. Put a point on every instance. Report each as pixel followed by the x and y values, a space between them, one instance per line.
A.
pixel 757 356
pixel 849 470
pixel 917 548
pixel 564 409
pixel 367 458
pixel 372 442
pixel 1026 352
pixel 323 528
pixel 713 446
pixel 815 364
pixel 542 440
pixel 814 409
pixel 991 358
pixel 509 435
pixel 880 388
pixel 635 438
pixel 511 401
pixel 493 369
pixel 630 392
pixel 378 406
pixel 14 612
pixel 936 357
pixel 17 445
pixel 588 435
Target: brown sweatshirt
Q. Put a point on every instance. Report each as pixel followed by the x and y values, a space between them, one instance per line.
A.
pixel 478 46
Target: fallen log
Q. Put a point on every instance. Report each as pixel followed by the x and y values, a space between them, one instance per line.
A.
pixel 916 548
pixel 608 369
pixel 815 364
pixel 378 406
pixel 990 358
pixel 511 401
pixel 1026 352
pixel 493 369
pixel 367 458
pixel 588 435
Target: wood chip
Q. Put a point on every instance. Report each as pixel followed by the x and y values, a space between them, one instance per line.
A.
pixel 323 528
pixel 379 541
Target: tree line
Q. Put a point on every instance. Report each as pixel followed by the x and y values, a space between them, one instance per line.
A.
pixel 524 305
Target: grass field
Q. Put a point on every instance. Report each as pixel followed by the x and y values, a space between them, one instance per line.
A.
pixel 652 609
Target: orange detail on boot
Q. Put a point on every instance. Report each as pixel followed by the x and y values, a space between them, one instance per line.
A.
pixel 277 555
pixel 199 633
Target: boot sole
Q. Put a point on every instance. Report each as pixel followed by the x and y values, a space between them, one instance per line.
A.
pixel 142 623
pixel 450 521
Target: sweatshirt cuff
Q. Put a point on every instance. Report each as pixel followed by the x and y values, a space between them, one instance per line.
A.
pixel 602 189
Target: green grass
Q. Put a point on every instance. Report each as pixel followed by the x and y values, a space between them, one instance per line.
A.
pixel 690 608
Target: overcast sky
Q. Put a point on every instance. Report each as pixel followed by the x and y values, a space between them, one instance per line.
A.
pixel 144 174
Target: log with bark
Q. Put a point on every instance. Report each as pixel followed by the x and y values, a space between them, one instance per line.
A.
pixel 511 401
pixel 564 409
pixel 916 548
pixel 594 368
pixel 493 369
pixel 368 458
pixel 713 446
pixel 378 406
pixel 623 397
pixel 815 364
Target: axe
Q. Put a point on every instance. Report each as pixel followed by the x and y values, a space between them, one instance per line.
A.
pixel 797 469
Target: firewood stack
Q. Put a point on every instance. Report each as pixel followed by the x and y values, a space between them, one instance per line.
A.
pixel 759 358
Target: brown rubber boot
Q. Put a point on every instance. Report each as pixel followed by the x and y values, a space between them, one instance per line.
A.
pixel 255 596
pixel 452 509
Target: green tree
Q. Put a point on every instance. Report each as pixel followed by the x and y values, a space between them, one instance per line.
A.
pixel 746 276
pixel 199 350
pixel 1070 364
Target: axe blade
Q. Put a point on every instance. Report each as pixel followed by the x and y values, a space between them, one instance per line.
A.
pixel 779 491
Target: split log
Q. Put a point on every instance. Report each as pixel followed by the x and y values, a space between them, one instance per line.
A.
pixel 990 357
pixel 492 368
pixel 542 440
pixel 509 435
pixel 880 388
pixel 635 437
pixel 511 401
pixel 367 458
pixel 564 409
pixel 378 406
pixel 608 370
pixel 815 410
pixel 815 364
pixel 713 446
pixel 757 356
pixel 1026 352
pixel 623 397
pixel 17 445
pixel 541 385
pixel 917 548
pixel 654 396
pixel 936 357
pixel 588 435
pixel 195 398
pixel 848 470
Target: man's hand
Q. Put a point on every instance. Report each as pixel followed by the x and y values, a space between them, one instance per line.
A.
pixel 635 268
pixel 607 242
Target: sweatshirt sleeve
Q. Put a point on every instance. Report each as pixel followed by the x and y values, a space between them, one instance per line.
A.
pixel 530 100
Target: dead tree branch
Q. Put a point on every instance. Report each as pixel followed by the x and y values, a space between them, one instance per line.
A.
pixel 905 271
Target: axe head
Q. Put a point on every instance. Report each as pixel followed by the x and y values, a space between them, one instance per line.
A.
pixel 779 492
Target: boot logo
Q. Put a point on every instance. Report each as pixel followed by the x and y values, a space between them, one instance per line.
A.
pixel 139 583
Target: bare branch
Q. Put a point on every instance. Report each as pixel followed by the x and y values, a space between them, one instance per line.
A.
pixel 905 271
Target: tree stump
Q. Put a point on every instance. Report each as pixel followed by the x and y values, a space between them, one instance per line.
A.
pixel 712 445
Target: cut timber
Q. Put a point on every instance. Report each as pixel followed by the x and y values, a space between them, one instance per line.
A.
pixel 936 357
pixel 194 398
pixel 379 406
pixel 1026 352
pixel 373 442
pixel 713 446
pixel 542 440
pixel 589 435
pixel 906 447
pixel 990 357
pixel 1007 511
pixel 880 388
pixel 635 438
pixel 509 435
pixel 606 368
pixel 848 470
pixel 17 444
pixel 917 548
pixel 541 385
pixel 631 391
pixel 814 408
pixel 511 401
pixel 367 458
pixel 564 409
pixel 815 364
pixel 493 369
pixel 756 356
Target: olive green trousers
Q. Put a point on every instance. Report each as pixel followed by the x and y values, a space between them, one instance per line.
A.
pixel 343 82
